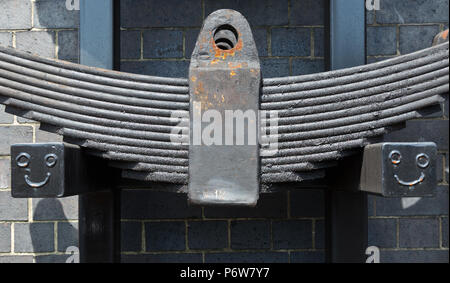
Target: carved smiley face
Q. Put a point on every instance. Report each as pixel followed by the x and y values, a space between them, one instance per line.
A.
pixel 23 160
pixel 422 161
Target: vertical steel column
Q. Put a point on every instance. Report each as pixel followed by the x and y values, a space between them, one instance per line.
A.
pixel 346 208
pixel 99 212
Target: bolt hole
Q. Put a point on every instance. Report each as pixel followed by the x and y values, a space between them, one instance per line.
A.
pixel 226 37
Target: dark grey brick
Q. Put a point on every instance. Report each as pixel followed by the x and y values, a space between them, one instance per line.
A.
pixel 410 34
pixel 55 209
pixel 68 45
pixel 307 203
pixel 268 206
pixel 51 258
pixel 291 42
pixel 370 17
pixel 14 134
pixel 319 42
pixel 154 13
pixel 34 237
pixel 145 204
pixel 16 259
pixel 12 208
pixel 440 167
pixel 319 236
pixel 5 39
pixel 131 236
pixel 437 205
pixel 308 257
pixel 190 40
pixel 419 233
pixel 44 136
pixel 383 233
pixel 381 40
pixel 165 236
pixel 176 69
pixel 308 12
pixel 250 235
pixel 15 14
pixel 307 66
pixel 432 256
pixel 260 36
pixel 274 67
pixel 422 130
pixel 444 222
pixel 130 44
pixel 5 118
pixel 54 14
pixel 5 237
pixel 163 258
pixel 259 257
pixel 292 234
pixel 207 235
pixel 163 44
pixel 406 11
pixel 37 42
pixel 257 12
pixel 67 235
pixel 5 173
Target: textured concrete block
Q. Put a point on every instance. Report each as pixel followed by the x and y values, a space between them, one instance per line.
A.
pixel 12 208
pixel 308 257
pixel 406 11
pixel 54 14
pixel 419 233
pixel 10 135
pixel 381 40
pixel 291 42
pixel 308 12
pixel 5 39
pixel 34 237
pixel 307 66
pixel 292 234
pixel 307 203
pixel 131 236
pixel 68 45
pixel 16 14
pixel 16 259
pixel 55 209
pixel 37 42
pixel 274 67
pixel 165 236
pixel 383 233
pixel 207 235
pixel 44 136
pixel 247 257
pixel 5 237
pixel 163 258
pixel 163 44
pixel 130 44
pixel 430 256
pixel 67 235
pixel 410 34
pixel 176 69
pixel 5 173
pixel 250 235
pixel 444 225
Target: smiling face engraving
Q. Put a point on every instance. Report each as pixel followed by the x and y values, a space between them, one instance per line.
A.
pixel 422 162
pixel 23 160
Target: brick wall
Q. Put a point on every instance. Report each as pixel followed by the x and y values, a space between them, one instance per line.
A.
pixel 157 39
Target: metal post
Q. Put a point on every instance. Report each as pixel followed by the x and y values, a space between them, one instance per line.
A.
pixel 99 212
pixel 346 208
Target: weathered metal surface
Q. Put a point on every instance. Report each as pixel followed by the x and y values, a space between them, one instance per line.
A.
pixel 51 170
pixel 400 169
pixel 224 80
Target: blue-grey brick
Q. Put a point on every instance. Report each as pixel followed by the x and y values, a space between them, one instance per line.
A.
pixel 37 42
pixel 422 131
pixel 308 12
pixel 54 14
pixel 440 167
pixel 260 36
pixel 14 134
pixel 146 204
pixel 12 208
pixel 163 258
pixel 292 234
pixel 175 69
pixel 308 257
pixel 55 209
pixel 319 236
pixel 207 235
pixel 444 223
pixel 5 237
pixel 291 42
pixel 407 11
pixel 419 233
pixel 165 236
pixel 383 233
pixel 409 36
pixel 44 136
pixel 131 236
pixel 5 39
pixel 34 237
pixel 68 45
pixel 319 42
pixel 307 203
pixel 15 14
pixel 371 199
pixel 307 66
pixel 163 44
pixel 155 13
pixel 16 259
pixel 247 257
pixel 446 107
pixel 5 118
pixel 274 67
pixel 67 235
pixel 250 234
pixel 269 206
pixel 437 205
pixel 190 40
pixel 257 12
pixel 130 44
pixel 381 40
pixel 420 256
pixel 5 173
pixel 51 258
pixel 370 17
